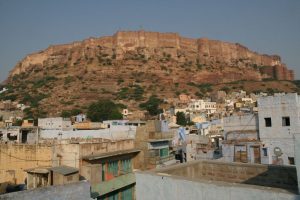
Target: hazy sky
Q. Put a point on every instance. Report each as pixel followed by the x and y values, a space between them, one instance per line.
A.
pixel 265 26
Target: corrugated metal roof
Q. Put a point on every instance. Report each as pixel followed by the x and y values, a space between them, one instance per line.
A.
pixel 110 154
pixel 64 170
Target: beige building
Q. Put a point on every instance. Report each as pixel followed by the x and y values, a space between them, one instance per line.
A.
pixel 15 158
pixel 155 141
pixel 42 177
pixel 56 123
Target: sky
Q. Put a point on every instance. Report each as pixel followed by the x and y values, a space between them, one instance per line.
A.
pixel 264 26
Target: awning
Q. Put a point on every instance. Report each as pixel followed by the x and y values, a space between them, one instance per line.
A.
pixel 110 154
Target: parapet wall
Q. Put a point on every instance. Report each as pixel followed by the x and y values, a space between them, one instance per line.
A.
pixel 284 177
pixel 74 191
pixel 163 186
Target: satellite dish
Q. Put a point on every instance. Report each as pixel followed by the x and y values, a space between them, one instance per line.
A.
pixel 277 151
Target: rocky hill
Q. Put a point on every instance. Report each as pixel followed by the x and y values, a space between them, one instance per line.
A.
pixel 130 66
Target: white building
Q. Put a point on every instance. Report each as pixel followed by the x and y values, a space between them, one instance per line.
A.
pixel 278 122
pixel 22 106
pixel 3 90
pixel 247 100
pixel 241 141
pixel 56 123
pixel 201 105
pixel 80 118
pixel 184 110
pixel 117 130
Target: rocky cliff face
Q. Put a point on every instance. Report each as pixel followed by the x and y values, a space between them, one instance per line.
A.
pixel 128 67
pixel 211 53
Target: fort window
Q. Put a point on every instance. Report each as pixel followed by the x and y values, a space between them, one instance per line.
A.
pixel 268 122
pixel 286 121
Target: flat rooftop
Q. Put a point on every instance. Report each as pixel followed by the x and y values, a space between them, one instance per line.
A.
pixel 282 178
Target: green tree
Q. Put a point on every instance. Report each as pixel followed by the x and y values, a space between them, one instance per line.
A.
pixel 152 105
pixel 28 113
pixel 65 114
pixel 226 89
pixel 70 113
pixel 180 119
pixel 18 122
pixel 103 110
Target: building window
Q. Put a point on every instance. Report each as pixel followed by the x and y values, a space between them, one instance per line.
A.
pixel 112 170
pixel 265 151
pixel 286 121
pixel 268 122
pixel 125 166
pixel 291 160
pixel 103 171
pixel 164 152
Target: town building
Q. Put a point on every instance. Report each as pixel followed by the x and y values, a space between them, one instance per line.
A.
pixel 155 141
pixel 87 125
pixel 54 162
pixel 110 174
pixel 107 164
pixel 15 158
pixel 6 105
pixel 46 176
pixel 241 139
pixel 26 134
pixel 266 137
pixel 113 129
pixel 3 90
pixel 56 123
pixel 80 118
pixel 184 99
pixel 201 105
pixel 278 123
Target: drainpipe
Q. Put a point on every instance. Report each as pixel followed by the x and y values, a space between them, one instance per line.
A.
pixel 297 157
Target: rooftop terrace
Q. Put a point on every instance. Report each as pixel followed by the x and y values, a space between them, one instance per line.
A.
pixel 215 180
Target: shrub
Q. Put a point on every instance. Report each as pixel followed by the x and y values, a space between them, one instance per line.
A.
pixel 226 89
pixel 103 110
pixel 135 92
pixel 68 80
pixel 43 81
pixel 33 100
pixel 70 113
pixel 152 105
pixel 180 119
pixel 120 80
